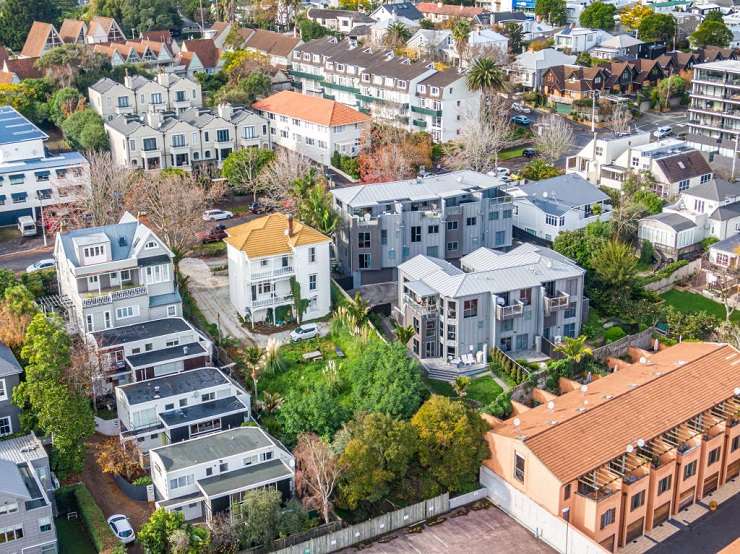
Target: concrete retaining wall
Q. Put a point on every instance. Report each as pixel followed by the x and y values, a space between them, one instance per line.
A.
pixel 107 427
pixel 681 273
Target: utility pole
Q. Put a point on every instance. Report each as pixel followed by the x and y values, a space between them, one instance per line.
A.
pixel 594 94
pixel 202 22
pixel 734 156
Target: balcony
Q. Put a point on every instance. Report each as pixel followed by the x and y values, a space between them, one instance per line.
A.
pixel 420 123
pixel 344 88
pixel 303 75
pixel 426 111
pixel 124 109
pixel 422 307
pixel 557 302
pixel 90 300
pixel 285 271
pixel 511 311
pixel 274 300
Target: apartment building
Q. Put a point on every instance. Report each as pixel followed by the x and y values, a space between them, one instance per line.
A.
pixel 441 216
pixel 579 39
pixel 265 255
pixel 544 209
pixel 411 95
pixel 26 493
pixel 195 137
pixel 10 375
pixel 714 111
pixel 438 12
pixel 620 455
pixel 139 95
pixel 180 406
pixel 205 476
pixel 708 210
pixel 312 126
pixel 508 301
pixel 609 159
pixel 31 177
pixel 341 21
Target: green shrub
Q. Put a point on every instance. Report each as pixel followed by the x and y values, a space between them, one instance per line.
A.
pixel 614 333
pixel 94 520
pixel 142 481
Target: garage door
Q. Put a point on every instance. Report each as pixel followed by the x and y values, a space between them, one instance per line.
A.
pixel 634 530
pixel 733 470
pixel 661 513
pixel 608 544
pixel 710 484
pixel 686 499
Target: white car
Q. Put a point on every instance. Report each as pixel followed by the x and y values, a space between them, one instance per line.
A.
pixel 216 215
pixel 46 263
pixel 503 171
pixel 121 528
pixel 662 132
pixel 304 332
pixel 520 108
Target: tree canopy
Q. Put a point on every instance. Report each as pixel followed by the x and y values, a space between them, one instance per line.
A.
pixel 139 15
pixel 598 15
pixel 657 27
pixel 84 130
pixel 712 31
pixel 632 17
pixel 553 11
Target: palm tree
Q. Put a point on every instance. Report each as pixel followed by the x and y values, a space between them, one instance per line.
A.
pixel 574 349
pixel 487 77
pixel 252 360
pixel 315 209
pixel 516 37
pixel 404 334
pixel 396 35
pixel 271 402
pixel 461 33
pixel 359 309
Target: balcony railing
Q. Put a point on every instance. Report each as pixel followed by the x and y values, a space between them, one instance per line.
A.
pixel 511 311
pixel 420 123
pixel 304 75
pixel 426 111
pixel 420 307
pixel 337 86
pixel 270 273
pixel 100 299
pixel 274 300
pixel 559 302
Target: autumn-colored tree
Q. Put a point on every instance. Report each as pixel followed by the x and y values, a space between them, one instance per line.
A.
pixel 391 154
pixel 17 309
pixel 118 458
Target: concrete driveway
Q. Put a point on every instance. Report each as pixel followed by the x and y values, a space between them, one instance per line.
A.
pixel 211 293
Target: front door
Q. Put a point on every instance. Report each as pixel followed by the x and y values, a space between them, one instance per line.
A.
pixel 144 373
pixel 733 470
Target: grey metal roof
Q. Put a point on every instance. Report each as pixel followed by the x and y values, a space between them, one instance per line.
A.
pixel 53 161
pixel 140 331
pixel 172 385
pixel 120 235
pixel 165 299
pixel 715 189
pixel 11 481
pixel 145 359
pixel 675 221
pixel 8 363
pixel 570 190
pixel 401 9
pixel 730 245
pixel 16 128
pixel 104 85
pixel 22 449
pixel 215 408
pixel 428 188
pixel 125 125
pixel 724 213
pixel 216 446
pixel 327 13
pixel 245 478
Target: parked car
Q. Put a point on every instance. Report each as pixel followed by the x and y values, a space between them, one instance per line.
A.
pixel 529 152
pixel 503 171
pixel 520 108
pixel 121 528
pixel 662 132
pixel 304 332
pixel 216 215
pixel 521 120
pixel 257 208
pixel 212 235
pixel 46 263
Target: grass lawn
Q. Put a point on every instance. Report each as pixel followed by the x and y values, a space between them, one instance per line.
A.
pixel 73 538
pixel 484 390
pixel 510 154
pixel 443 388
pixel 690 302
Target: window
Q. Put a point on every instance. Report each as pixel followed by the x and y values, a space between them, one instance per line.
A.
pixel 433 251
pixel 209 471
pixel 312 285
pixel 171 311
pixel 180 96
pixel 522 341
pixel 735 444
pixel 433 229
pixel 156 98
pixel 168 407
pixel 525 295
pixel 416 233
pixel 6 427
pixel 17 179
pixel 178 141
pixel 3 391
pixel 470 221
pixel 222 135
pixel 312 254
pixel 519 467
pixel 566 492
pixel 451 332
pixel 492 216
pixel 607 518
pixel 89 325
pixel 570 313
pixel 508 325
pixel 452 246
pixel 183 481
pixel 127 311
pixel 363 240
pixel 363 261
pixel 148 347
pixel 183 402
pixel 171 343
pixel 207 397
pixel 156 274
pixel 150 244
pixel 9 508
pixel 683 185
pixel 689 470
pixel 123 101
pixel 107 323
pixel 500 238
pixel 249 460
pixel 713 456
pixel 551 220
pixel 89 253
pixel 9 534
pixel 452 225
pixel 706 177
pixel 664 484
pixel 223 466
pixel 150 144
pixel 637 500
pixel 470 308
pixel 569 330
pixel 451 309
pixel 507 214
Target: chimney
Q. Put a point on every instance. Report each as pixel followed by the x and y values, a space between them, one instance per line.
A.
pixel 225 111
pixel 164 78
pixel 128 80
pixel 154 118
pixel 290 225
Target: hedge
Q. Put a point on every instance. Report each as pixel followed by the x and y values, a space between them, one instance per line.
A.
pixel 664 272
pixel 91 514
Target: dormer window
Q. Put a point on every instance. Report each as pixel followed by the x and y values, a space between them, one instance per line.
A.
pixel 93 251
pixel 435 91
pixel 340 67
pixel 401 84
pixel 421 89
pixel 150 244
pixel 307 57
pixel 316 58
pixel 365 77
pixel 329 65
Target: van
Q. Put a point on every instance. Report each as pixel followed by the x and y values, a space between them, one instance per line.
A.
pixel 27 226
pixel 662 132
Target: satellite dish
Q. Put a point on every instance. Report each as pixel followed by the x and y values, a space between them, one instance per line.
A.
pixel 737 391
pixel 640 443
pixel 643 360
pixel 629 449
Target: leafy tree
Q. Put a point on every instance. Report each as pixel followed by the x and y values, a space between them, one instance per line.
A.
pixel 118 458
pixel 316 209
pixel 690 326
pixel 63 103
pixel 712 31
pixel 616 268
pixel 64 65
pixel 253 360
pixel 537 170
pixel 84 131
pixel 516 37
pixel 632 17
pixel 259 515
pixel 396 35
pixel 311 30
pixel 242 168
pixel 584 59
pixel 376 458
pixel 17 17
pixel 293 519
pixel 17 310
pixel 451 444
pixel 553 11
pixel 598 15
pixel 320 472
pixel 316 409
pixel 387 380
pixel 7 279
pixel 581 244
pixel 155 534
pixel 426 23
pixel 574 350
pixel 139 15
pixel 485 75
pixel 404 334
pixel 29 97
pixel 657 27
pixel 651 202
pixel 670 87
pixel 460 385
pixel 246 89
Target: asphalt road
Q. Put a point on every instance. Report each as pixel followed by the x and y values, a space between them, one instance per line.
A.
pixel 709 534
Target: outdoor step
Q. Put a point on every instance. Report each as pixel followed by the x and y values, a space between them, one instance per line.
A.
pixel 451 375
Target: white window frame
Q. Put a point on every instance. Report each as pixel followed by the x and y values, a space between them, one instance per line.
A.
pixel 172 310
pixel 127 312
pixel 9 421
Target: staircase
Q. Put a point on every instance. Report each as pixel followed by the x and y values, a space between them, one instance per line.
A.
pixel 449 375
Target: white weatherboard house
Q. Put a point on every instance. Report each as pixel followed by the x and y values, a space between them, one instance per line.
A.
pixel 264 255
pixel 205 476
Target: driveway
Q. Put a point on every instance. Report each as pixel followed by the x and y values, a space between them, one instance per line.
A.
pixel 479 532
pixel 211 293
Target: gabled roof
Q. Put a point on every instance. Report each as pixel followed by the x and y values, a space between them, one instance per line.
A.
pixel 726 212
pixel 715 189
pixel 310 108
pixel 105 23
pixel 71 29
pixel 158 36
pixel 8 363
pixel 730 245
pixel 685 165
pixel 542 59
pixel 562 193
pixel 36 39
pixel 268 236
pixel 620 41
pixel 675 221
pixel 205 49
pixel 25 68
pixel 400 9
pixel 104 85
pixel 270 42
pixel 449 9
pixel 325 13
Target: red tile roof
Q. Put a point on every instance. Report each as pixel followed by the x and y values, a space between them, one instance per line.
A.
pixel 310 108
pixel 36 39
pixel 205 49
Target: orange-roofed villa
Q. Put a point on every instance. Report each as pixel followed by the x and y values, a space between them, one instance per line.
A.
pixel 264 255
pixel 622 454
pixel 313 126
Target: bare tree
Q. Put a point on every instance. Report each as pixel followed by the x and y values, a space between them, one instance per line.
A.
pixel 174 206
pixel 620 119
pixel 554 137
pixel 724 283
pixel 102 202
pixel 277 177
pixel 84 374
pixel 319 472
pixel 480 143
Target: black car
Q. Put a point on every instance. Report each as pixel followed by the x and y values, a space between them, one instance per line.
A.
pixel 256 208
pixel 529 152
